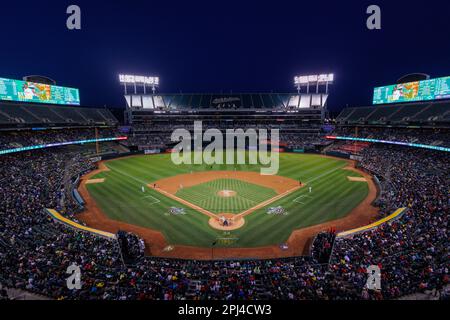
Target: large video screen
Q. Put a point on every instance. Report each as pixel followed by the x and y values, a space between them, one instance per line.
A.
pixel 424 90
pixel 25 91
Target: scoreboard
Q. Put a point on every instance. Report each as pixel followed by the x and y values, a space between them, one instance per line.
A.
pixel 432 89
pixel 25 91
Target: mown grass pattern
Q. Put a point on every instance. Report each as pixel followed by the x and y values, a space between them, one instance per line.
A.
pixel 205 195
pixel 332 197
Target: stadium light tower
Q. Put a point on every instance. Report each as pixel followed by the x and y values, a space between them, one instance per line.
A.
pixel 136 80
pixel 315 79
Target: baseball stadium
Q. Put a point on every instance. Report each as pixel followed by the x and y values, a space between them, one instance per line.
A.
pixel 213 195
pixel 339 191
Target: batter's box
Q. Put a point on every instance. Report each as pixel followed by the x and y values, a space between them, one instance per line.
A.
pixel 151 199
pixel 302 197
pixel 226 241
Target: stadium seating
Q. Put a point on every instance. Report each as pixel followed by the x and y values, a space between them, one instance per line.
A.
pixel 344 114
pixel 4 118
pixel 47 115
pixel 19 114
pixel 16 114
pixel 359 114
pixel 414 113
pixel 93 115
pixel 381 114
pixel 406 112
pixel 438 112
pixel 413 250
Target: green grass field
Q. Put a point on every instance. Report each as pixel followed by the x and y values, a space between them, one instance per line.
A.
pixel 332 197
pixel 205 195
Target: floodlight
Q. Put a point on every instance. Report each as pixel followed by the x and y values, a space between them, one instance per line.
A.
pixel 138 80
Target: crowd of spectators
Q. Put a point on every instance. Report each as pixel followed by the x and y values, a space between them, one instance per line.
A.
pixel 17 139
pixel 295 137
pixel 34 250
pixel 322 246
pixel 159 136
pixel 148 141
pixel 438 137
pixel 132 247
pixel 412 251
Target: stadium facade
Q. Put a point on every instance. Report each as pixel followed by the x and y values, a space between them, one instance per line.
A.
pixel 300 115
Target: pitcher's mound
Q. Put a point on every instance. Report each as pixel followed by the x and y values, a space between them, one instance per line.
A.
pixel 226 193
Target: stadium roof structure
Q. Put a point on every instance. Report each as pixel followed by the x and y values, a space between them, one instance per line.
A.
pixel 227 101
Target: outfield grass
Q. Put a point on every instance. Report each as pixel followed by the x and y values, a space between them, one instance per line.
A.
pixel 332 197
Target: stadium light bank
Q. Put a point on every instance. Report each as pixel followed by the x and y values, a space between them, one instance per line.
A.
pixel 214 152
pixel 313 80
pixel 136 80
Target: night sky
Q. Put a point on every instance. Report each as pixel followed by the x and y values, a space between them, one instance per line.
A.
pixel 215 46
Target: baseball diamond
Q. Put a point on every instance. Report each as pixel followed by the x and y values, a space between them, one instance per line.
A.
pixel 226 195
pixel 196 189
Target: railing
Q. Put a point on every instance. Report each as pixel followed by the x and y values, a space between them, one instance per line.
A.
pixel 397 214
pixel 400 143
pixel 59 218
pixel 58 144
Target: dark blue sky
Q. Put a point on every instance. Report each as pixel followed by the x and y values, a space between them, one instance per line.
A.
pixel 210 46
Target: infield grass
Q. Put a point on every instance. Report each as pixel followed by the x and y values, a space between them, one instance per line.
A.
pixel 205 195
